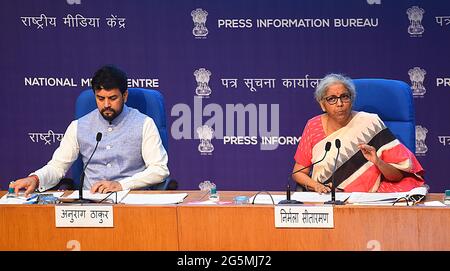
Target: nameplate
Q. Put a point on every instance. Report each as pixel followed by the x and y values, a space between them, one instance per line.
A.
pixel 84 216
pixel 292 216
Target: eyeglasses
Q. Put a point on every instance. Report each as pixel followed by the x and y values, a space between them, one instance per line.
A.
pixel 345 98
pixel 410 200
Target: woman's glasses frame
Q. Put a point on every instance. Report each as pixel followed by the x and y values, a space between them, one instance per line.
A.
pixel 345 98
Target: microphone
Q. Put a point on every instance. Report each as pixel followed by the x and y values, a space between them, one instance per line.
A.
pixel 327 149
pixel 333 200
pixel 288 188
pixel 80 191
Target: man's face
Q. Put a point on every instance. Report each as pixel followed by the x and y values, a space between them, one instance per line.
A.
pixel 110 102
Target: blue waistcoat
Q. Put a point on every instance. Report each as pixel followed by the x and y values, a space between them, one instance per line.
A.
pixel 119 152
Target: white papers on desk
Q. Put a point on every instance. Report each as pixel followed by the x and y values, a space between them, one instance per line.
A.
pixel 434 203
pixel 54 194
pixel 383 198
pixel 98 196
pixel 205 202
pixel 316 197
pixel 157 199
pixel 373 198
pixel 15 200
pixel 355 197
pixel 266 199
pixel 22 200
pixel 300 196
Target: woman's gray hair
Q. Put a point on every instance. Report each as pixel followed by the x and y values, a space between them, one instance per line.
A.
pixel 332 79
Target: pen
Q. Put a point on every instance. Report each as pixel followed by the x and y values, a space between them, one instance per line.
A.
pixel 32 197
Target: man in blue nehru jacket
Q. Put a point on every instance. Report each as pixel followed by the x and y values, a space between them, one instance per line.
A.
pixel 130 154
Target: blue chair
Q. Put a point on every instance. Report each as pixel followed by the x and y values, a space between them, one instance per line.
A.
pixel 147 101
pixel 392 100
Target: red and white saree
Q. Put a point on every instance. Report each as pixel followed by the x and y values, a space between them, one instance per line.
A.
pixel 353 172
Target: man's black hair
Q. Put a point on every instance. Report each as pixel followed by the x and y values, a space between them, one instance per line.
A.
pixel 109 77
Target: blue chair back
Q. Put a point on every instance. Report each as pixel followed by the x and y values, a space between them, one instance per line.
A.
pixel 147 101
pixel 392 100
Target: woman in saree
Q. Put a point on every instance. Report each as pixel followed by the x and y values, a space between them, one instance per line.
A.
pixel 370 158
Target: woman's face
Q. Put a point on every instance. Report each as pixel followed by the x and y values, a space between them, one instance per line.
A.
pixel 337 102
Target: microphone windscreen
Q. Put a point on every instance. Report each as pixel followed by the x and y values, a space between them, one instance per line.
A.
pixel 99 137
pixel 328 146
pixel 337 142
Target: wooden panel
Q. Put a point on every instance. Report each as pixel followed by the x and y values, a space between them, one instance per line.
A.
pixel 356 228
pixel 135 228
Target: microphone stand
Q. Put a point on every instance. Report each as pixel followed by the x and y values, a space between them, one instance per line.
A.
pixel 333 184
pixel 80 199
pixel 288 199
pixel 80 191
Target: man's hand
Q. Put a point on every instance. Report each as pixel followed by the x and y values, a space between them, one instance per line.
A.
pixel 29 184
pixel 106 187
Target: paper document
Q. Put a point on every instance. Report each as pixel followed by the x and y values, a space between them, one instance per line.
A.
pixel 154 198
pixel 55 194
pixel 354 197
pixel 300 196
pixel 374 198
pixel 316 197
pixel 381 203
pixel 210 202
pixel 98 196
pixel 16 200
pixel 434 203
pixel 266 199
pixel 30 200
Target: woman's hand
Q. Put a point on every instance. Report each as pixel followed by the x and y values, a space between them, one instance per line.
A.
pixel 369 153
pixel 389 172
pixel 320 188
